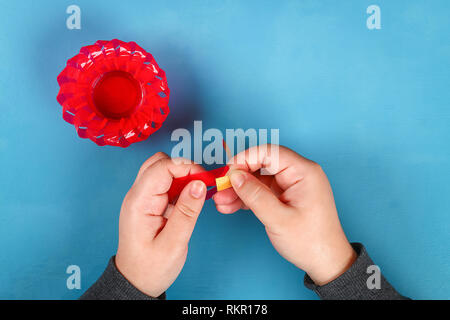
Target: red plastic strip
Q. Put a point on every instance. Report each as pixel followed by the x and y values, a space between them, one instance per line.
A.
pixel 210 193
pixel 208 177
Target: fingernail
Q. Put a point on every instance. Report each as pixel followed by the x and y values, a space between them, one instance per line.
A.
pixel 197 189
pixel 237 179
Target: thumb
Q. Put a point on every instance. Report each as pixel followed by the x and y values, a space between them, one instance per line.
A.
pixel 258 197
pixel 181 222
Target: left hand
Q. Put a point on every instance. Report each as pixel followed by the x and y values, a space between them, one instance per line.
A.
pixel 153 234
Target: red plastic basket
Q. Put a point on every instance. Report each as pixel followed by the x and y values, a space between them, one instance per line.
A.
pixel 114 93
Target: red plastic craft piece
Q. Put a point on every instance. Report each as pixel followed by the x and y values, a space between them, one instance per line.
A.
pixel 114 93
pixel 208 177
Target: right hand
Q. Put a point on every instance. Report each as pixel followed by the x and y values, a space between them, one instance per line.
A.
pixel 296 206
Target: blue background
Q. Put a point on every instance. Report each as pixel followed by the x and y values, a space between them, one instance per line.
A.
pixel 371 106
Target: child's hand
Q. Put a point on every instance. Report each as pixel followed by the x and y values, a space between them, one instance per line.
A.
pixel 153 245
pixel 295 205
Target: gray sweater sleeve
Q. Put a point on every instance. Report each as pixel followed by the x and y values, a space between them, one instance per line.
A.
pixel 112 285
pixel 352 285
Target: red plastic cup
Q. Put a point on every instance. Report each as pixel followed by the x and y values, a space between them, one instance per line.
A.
pixel 114 93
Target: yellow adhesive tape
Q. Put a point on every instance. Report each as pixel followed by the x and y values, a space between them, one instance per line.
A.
pixel 223 183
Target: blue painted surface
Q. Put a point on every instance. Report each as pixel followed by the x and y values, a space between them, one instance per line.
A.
pixel 371 106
